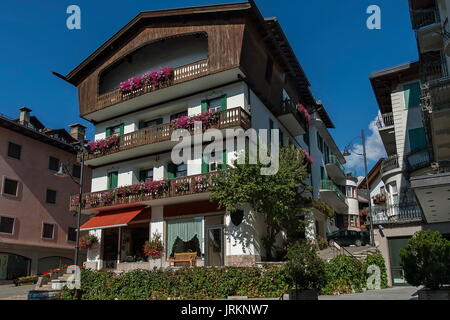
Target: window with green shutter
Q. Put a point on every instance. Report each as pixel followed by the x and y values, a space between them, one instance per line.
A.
pixel 216 104
pixel 146 175
pixel 115 130
pixel 412 95
pixel 151 123
pixel 113 179
pixel 417 139
pixel 176 171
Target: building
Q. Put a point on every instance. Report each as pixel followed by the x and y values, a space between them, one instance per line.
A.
pixel 37 231
pixel 227 59
pixel 414 125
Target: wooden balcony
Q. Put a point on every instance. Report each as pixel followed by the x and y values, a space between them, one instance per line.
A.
pixel 422 18
pixel 142 193
pixel 181 74
pixel 236 117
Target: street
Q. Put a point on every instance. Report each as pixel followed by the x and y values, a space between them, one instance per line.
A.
pixel 11 292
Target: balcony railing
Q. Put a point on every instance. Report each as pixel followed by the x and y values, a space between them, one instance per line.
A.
pixel 389 164
pixel 289 106
pixel 142 192
pixel 236 117
pixel 181 74
pixel 397 213
pixel 422 18
pixel 386 120
pixel 432 70
pixel 419 159
pixel 330 185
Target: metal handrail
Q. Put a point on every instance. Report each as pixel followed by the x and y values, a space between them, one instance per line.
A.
pixel 422 18
pixel 330 185
pixel 389 164
pixel 396 213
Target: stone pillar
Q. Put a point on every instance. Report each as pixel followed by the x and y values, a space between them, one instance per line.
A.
pixel 94 254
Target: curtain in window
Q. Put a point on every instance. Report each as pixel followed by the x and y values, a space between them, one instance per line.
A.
pixel 185 229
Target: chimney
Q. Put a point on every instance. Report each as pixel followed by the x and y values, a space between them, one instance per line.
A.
pixel 24 115
pixel 78 131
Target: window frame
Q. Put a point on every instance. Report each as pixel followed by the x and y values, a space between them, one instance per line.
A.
pixel 9 149
pixel 4 184
pixel 42 231
pixel 68 234
pixel 50 158
pixel 13 227
pixel 47 194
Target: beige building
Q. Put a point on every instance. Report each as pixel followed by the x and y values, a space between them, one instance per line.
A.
pixel 37 231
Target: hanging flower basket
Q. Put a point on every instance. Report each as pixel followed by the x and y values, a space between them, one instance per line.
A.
pixel 154 248
pixel 86 242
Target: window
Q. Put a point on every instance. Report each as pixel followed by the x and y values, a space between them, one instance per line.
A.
pixel 14 150
pixel 214 165
pixel 319 142
pixel 146 175
pixel 150 123
pixel 53 163
pixel 72 234
pixel 10 187
pixel 184 235
pixel 113 179
pixel 7 225
pixel 323 174
pixel 269 70
pixel 115 130
pixel 48 231
pixel 178 115
pixel 411 93
pixel 216 104
pixel 177 171
pixel 51 196
pixel 350 192
pixel 417 139
pixel 76 171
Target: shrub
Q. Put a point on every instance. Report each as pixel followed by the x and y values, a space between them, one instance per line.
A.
pixel 344 275
pixel 377 259
pixel 321 242
pixel 426 260
pixel 304 269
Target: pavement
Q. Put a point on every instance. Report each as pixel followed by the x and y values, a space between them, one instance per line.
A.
pixel 394 293
pixel 11 292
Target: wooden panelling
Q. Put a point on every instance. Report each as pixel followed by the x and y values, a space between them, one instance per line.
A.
pixel 224 50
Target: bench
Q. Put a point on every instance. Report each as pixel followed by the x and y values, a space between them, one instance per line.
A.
pixel 186 257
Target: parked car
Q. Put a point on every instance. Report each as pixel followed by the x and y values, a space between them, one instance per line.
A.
pixel 349 237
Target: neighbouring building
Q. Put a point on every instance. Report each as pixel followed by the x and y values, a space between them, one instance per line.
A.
pixel 37 230
pixel 414 126
pixel 226 59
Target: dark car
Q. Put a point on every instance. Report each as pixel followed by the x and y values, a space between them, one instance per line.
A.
pixel 349 237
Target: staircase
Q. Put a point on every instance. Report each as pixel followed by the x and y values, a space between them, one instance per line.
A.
pixel 56 284
pixel 359 253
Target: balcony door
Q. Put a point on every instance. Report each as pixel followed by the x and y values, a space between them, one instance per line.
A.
pixel 214 241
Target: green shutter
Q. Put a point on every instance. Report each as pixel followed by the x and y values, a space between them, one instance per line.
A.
pixel 412 95
pixel 141 124
pixel 205 167
pixel 224 165
pixel 142 175
pixel 223 103
pixel 108 132
pixel 113 179
pixel 171 170
pixel 204 105
pixel 417 139
pixel 122 129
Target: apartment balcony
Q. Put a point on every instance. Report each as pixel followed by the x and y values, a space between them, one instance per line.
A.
pixel 390 166
pixel 189 78
pixel 428 28
pixel 419 159
pixel 191 188
pixel 291 118
pixel 332 195
pixel 335 169
pixel 397 214
pixel 158 138
pixel 385 124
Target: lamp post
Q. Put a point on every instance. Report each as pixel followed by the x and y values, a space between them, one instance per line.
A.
pixel 347 153
pixel 63 173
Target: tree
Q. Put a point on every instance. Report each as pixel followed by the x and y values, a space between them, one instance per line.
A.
pixel 277 197
pixel 426 260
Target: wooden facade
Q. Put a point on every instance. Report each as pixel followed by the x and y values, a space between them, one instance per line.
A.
pixel 238 37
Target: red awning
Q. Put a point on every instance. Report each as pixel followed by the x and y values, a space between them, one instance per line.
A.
pixel 111 219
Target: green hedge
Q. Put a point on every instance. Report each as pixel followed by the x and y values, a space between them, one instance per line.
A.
pixel 343 275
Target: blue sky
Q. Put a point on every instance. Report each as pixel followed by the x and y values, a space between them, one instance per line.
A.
pixel 330 38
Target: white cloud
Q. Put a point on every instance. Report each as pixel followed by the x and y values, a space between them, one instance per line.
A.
pixel 374 150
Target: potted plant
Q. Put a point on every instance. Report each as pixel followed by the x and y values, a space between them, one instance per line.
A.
pixel 304 272
pixel 87 241
pixel 426 261
pixel 154 249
